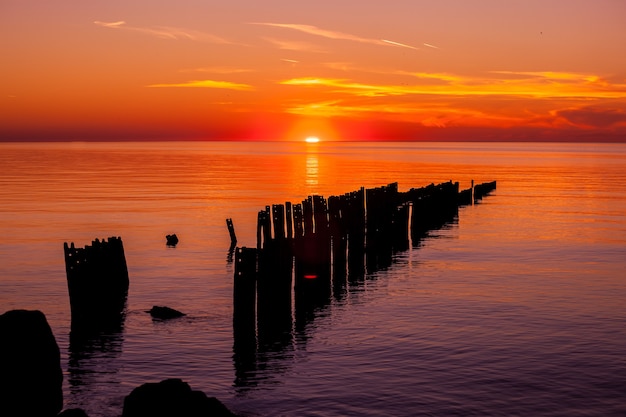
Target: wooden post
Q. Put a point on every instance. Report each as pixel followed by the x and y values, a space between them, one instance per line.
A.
pixel 244 317
pixel 231 231
pixel 289 218
pixel 244 287
pixel 274 287
pixel 278 218
pixel 97 280
pixel 307 215
pixel 298 219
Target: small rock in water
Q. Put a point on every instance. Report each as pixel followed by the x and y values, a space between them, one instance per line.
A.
pixel 172 240
pixel 164 313
pixel 172 397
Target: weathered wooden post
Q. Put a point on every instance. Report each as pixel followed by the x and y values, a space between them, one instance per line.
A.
pixel 274 287
pixel 307 215
pixel 264 227
pixel 244 286
pixel 244 317
pixel 465 197
pixel 231 231
pixel 298 221
pixel 97 280
pixel 312 251
pixel 278 218
pixel 380 206
pixel 483 189
pixel 356 234
pixel 400 227
pixel 339 242
pixel 289 217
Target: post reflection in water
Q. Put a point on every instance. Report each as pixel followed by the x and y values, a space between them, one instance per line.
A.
pixel 93 356
pixel 312 167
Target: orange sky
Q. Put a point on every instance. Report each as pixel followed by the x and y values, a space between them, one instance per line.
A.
pixel 341 70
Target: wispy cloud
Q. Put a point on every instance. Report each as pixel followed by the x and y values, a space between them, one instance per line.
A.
pixel 207 84
pixel 551 75
pixel 290 45
pixel 426 115
pixel 548 85
pixel 347 87
pixel 166 32
pixel 331 34
pixel 219 70
pixel 110 24
pixel 398 44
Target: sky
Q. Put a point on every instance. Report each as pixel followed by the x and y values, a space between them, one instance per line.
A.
pixel 493 70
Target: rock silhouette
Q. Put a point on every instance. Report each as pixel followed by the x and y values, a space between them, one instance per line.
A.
pixel 172 240
pixel 172 397
pixel 30 366
pixel 165 313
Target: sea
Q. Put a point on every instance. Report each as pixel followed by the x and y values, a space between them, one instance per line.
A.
pixel 516 307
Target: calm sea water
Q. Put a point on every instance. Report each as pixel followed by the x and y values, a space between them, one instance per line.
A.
pixel 518 308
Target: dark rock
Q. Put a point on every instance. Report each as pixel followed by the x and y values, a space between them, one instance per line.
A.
pixel 172 397
pixel 73 412
pixel 164 313
pixel 30 366
pixel 172 240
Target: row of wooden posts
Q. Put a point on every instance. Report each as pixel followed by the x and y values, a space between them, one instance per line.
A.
pixel 319 233
pixel 310 250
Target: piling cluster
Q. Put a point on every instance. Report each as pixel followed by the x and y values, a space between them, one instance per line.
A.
pixel 309 250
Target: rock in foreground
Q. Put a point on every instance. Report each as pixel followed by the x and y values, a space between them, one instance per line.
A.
pixel 30 366
pixel 172 397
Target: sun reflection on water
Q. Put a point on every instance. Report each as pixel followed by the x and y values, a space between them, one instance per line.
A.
pixel 312 169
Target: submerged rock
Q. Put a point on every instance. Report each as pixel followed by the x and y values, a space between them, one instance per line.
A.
pixel 172 397
pixel 172 240
pixel 30 366
pixel 164 313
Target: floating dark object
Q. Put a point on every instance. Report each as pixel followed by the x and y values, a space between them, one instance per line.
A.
pixel 164 313
pixel 172 240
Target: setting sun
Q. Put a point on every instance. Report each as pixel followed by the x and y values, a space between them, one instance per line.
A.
pixel 312 139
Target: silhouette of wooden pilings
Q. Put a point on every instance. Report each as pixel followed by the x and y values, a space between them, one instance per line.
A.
pixel 308 250
pixel 481 190
pixel 324 238
pixel 97 281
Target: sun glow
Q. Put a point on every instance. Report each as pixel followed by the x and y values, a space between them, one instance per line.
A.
pixel 312 139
